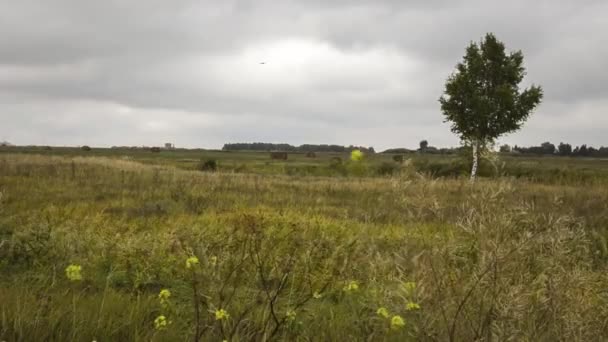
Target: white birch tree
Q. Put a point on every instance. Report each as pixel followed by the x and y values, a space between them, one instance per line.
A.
pixel 482 98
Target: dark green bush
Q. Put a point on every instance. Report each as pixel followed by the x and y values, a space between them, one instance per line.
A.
pixel 387 169
pixel 337 167
pixel 208 165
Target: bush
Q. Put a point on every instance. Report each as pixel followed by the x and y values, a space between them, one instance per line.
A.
pixel 453 168
pixel 337 167
pixel 398 150
pixel 387 169
pixel 155 149
pixel 398 158
pixel 208 165
pixel 85 148
pixel 278 155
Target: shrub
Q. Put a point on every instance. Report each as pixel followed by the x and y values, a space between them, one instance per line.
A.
pixel 278 155
pixel 155 149
pixel 85 148
pixel 337 167
pixel 387 169
pixel 208 165
pixel 398 158
pixel 335 160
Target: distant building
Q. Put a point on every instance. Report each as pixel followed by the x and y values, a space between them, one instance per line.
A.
pixel 169 146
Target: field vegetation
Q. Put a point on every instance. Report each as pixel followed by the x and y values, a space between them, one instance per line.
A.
pixel 116 245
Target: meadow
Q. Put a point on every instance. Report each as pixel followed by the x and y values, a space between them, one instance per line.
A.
pixel 116 245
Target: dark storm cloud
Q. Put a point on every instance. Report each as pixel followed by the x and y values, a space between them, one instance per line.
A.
pixel 349 72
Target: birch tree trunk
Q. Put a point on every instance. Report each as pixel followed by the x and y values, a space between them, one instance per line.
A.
pixel 475 161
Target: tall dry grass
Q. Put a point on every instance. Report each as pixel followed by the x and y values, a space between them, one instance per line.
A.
pixel 501 260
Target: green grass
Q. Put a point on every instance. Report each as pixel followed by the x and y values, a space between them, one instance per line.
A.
pixel 509 258
pixel 544 169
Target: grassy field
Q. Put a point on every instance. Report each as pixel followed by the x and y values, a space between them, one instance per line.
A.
pixel 309 249
pixel 540 169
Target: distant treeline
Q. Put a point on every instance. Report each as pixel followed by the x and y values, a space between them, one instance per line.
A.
pixel 429 150
pixel 562 149
pixel 424 147
pixel 257 146
pixel 545 148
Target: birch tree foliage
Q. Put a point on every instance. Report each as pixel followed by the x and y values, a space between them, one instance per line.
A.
pixel 482 98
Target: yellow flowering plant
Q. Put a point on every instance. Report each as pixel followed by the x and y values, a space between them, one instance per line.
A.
pixel 221 314
pixel 397 322
pixel 411 306
pixel 409 288
pixel 163 296
pixel 191 262
pixel 73 272
pixel 161 322
pixel 352 286
pixel 290 315
pixel 356 156
pixel 382 312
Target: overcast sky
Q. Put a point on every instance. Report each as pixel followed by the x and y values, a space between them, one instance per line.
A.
pixel 362 72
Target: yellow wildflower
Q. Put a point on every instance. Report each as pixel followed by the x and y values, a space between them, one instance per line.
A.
pixel 163 296
pixel 351 286
pixel 409 288
pixel 397 322
pixel 356 155
pixel 73 272
pixel 383 312
pixel 221 314
pixel 191 262
pixel 412 306
pixel 213 260
pixel 317 295
pixel 161 322
pixel 291 315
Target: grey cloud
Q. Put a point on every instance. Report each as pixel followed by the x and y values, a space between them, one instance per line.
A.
pixel 346 71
